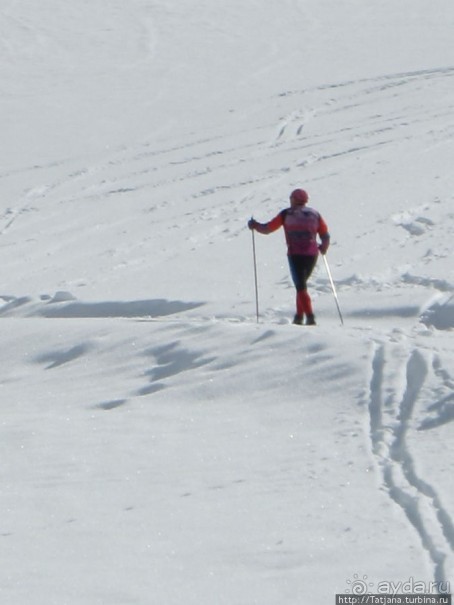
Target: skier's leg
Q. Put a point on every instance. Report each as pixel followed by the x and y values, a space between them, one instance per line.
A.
pixel 297 278
pixel 305 302
pixel 307 265
pixel 301 268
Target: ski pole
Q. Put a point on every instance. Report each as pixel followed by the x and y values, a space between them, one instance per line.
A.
pixel 333 288
pixel 255 277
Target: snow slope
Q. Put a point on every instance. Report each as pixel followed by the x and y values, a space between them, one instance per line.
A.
pixel 159 446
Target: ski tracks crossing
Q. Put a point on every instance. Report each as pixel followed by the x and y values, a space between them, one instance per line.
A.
pixel 396 392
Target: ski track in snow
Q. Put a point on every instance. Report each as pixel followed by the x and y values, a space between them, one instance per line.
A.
pixel 249 166
pixel 129 169
pixel 230 172
pixel 392 423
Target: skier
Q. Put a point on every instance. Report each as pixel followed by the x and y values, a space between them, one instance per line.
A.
pixel 301 226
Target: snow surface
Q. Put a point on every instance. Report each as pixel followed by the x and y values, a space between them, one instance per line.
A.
pixel 159 446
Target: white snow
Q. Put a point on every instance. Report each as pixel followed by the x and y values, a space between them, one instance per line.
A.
pixel 159 446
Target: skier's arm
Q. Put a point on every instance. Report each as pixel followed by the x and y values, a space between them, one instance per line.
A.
pixel 324 236
pixel 269 227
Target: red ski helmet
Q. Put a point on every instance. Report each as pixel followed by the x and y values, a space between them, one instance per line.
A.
pixel 299 197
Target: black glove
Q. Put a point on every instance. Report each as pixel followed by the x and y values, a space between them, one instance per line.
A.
pixel 252 224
